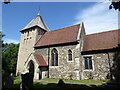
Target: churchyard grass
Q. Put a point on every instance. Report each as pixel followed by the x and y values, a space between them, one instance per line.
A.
pixel 17 79
pixel 84 81
pixel 48 85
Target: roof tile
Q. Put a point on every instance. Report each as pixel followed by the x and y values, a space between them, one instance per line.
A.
pixel 40 59
pixel 37 21
pixel 100 41
pixel 60 36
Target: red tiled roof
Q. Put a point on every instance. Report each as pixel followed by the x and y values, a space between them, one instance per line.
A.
pixel 119 36
pixel 59 36
pixel 40 60
pixel 101 41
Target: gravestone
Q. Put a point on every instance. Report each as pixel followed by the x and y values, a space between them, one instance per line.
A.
pixel 61 83
pixel 7 80
pixel 27 81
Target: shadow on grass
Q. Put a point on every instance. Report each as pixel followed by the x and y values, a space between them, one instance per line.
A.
pixel 39 85
pixel 66 86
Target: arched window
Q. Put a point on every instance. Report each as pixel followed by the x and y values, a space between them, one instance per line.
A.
pixel 54 57
pixel 69 55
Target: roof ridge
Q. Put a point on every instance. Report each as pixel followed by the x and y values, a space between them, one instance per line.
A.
pixel 102 32
pixel 64 28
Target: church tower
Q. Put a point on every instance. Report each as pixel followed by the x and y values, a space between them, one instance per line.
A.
pixel 29 36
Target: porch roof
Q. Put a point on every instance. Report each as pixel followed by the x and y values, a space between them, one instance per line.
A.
pixel 40 59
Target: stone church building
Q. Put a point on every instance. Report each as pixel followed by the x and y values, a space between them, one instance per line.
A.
pixel 66 53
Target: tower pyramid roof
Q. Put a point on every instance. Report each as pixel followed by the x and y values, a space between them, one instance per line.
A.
pixel 37 21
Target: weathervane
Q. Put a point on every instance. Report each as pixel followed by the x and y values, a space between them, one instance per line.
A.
pixel 39 10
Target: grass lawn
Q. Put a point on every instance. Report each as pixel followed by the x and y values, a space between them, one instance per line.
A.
pixel 84 81
pixel 48 85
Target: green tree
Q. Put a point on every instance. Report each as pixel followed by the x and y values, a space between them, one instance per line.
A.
pixel 9 61
pixel 9 57
pixel 115 4
pixel 1 35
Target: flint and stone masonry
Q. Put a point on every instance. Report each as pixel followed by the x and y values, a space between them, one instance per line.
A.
pixel 92 56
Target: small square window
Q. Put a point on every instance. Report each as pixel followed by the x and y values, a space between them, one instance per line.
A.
pixel 88 62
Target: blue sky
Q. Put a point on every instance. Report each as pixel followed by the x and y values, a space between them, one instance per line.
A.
pixel 96 16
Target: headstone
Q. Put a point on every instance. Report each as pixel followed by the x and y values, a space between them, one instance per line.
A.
pixel 7 80
pixel 27 81
pixel 61 83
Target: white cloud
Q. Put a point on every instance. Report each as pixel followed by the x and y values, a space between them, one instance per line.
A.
pixel 98 18
pixel 6 40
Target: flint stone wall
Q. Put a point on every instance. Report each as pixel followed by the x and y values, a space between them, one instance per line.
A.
pixel 101 66
pixel 65 68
